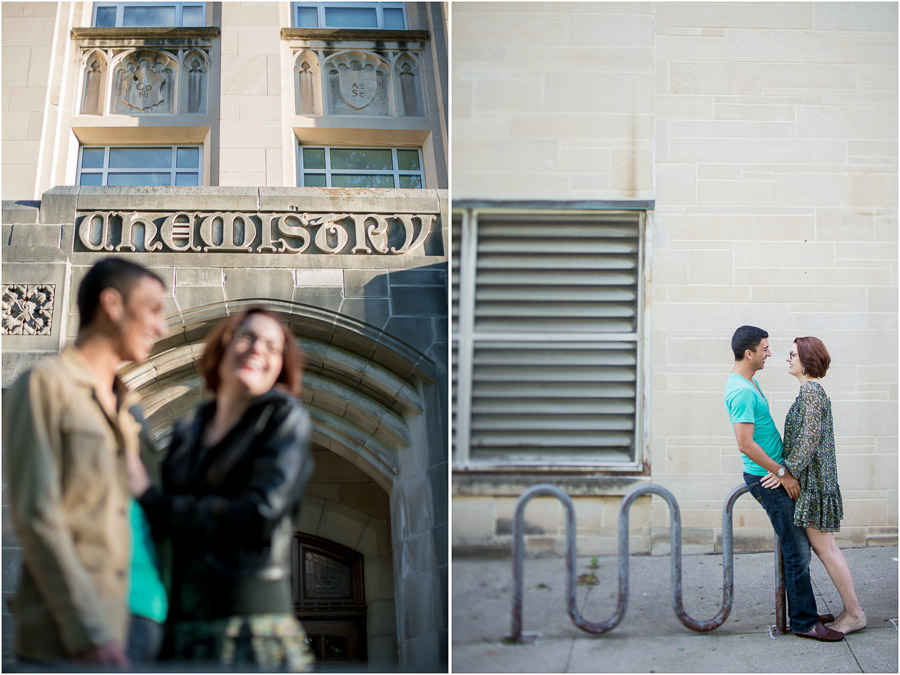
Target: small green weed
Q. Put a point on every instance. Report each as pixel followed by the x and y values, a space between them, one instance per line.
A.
pixel 588 579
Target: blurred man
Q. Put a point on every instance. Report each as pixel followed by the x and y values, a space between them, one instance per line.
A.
pixel 67 431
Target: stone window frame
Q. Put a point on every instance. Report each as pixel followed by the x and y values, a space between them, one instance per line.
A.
pixel 329 172
pixel 120 11
pixel 464 340
pixel 173 169
pixel 322 5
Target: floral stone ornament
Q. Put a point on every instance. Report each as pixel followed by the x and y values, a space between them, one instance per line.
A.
pixel 28 309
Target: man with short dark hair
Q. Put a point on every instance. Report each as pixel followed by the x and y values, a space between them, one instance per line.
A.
pixel 760 443
pixel 67 431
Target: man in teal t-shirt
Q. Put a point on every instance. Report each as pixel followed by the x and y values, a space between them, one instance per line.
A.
pixel 747 405
pixel 147 595
pixel 760 444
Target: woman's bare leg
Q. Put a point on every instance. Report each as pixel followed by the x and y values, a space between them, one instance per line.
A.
pixel 852 617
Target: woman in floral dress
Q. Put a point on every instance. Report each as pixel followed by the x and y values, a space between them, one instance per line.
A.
pixel 810 457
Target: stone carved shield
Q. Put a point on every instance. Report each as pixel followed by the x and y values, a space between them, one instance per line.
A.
pixel 358 87
pixel 144 88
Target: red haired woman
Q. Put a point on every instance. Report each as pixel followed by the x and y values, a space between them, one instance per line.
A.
pixel 231 483
pixel 810 457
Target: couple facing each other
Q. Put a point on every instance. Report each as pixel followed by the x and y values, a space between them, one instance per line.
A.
pixel 794 481
pixel 117 544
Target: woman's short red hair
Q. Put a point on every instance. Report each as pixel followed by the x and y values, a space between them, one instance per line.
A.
pixel 814 358
pixel 291 376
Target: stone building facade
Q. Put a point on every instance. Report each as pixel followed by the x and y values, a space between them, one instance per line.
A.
pixel 632 182
pixel 283 154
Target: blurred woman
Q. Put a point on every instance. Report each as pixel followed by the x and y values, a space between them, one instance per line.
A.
pixel 810 457
pixel 231 484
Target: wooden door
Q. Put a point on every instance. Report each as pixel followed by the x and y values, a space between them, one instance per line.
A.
pixel 329 599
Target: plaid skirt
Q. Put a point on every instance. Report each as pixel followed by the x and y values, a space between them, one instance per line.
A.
pixel 263 642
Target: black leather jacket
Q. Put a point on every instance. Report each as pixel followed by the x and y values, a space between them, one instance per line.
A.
pixel 229 509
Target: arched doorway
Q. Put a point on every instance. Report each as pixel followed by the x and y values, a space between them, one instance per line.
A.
pixel 362 388
pixel 328 587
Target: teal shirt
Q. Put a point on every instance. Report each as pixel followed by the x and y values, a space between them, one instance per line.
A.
pixel 147 594
pixel 746 403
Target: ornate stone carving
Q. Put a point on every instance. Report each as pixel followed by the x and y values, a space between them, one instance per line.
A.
pixel 384 82
pixel 307 84
pixel 409 94
pixel 236 232
pixel 94 83
pixel 358 84
pixel 196 65
pixel 144 82
pixel 28 308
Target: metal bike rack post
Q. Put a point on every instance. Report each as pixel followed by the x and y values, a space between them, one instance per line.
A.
pixel 780 604
pixel 675 540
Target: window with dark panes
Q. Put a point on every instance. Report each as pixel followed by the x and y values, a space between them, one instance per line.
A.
pixel 382 15
pixel 361 167
pixel 547 338
pixel 140 165
pixel 148 14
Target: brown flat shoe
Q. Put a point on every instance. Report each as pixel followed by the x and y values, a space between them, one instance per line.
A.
pixel 822 633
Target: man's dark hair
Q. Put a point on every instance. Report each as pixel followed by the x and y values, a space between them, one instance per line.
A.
pixel 115 273
pixel 744 338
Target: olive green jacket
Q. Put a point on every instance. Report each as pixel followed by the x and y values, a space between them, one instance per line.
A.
pixel 64 466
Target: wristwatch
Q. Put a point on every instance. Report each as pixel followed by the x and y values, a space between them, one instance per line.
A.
pixel 780 473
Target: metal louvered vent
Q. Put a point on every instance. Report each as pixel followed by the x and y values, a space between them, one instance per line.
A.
pixel 554 348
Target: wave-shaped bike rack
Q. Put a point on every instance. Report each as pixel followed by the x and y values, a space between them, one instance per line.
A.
pixel 675 542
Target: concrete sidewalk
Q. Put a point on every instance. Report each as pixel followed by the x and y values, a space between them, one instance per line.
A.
pixel 650 638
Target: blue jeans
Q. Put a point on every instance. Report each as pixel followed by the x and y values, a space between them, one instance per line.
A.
pixel 145 637
pixel 794 547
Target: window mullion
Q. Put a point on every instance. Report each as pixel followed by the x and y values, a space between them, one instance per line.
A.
pixel 301 178
pixel 327 163
pixel 395 165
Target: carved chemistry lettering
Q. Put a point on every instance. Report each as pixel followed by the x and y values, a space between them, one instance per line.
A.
pixel 237 232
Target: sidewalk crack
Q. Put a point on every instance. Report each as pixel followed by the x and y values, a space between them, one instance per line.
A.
pixel 575 635
pixel 853 654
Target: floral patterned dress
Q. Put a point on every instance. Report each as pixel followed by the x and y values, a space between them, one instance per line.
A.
pixel 809 456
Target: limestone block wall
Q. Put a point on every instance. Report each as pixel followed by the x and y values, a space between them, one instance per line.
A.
pixel 776 205
pixel 553 100
pixel 246 126
pixel 27 35
pixel 768 141
pixel 251 103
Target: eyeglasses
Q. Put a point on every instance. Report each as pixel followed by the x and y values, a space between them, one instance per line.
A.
pixel 246 337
